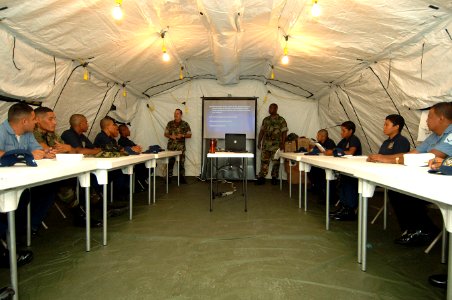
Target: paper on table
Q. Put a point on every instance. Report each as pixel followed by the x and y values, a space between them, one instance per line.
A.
pixel 355 156
pixel 417 159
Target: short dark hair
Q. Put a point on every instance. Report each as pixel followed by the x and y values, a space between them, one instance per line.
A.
pixel 42 110
pixel 105 122
pixel 443 109
pixel 18 111
pixel 76 119
pixel 122 127
pixel 323 131
pixel 180 110
pixel 396 120
pixel 349 125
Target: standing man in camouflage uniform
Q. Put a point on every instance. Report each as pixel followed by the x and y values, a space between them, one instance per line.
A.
pixel 177 131
pixel 271 138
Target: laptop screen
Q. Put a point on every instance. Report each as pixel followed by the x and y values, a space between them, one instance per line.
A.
pixel 235 142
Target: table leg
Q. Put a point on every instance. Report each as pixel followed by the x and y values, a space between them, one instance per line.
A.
pixel 12 252
pixel 104 214
pixel 211 182
pixel 364 234
pixel 88 219
pixel 360 227
pixel 327 201
pixel 153 190
pixel 449 270
pixel 130 196
pixel 167 170
pixel 245 184
pixel 290 180
pixel 444 245
pixel 29 223
pixel 281 162
pixel 178 172
pixel 305 191
pixel 149 186
pixel 306 168
pixel 385 211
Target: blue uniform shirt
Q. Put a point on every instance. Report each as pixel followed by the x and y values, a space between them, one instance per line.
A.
pixel 102 140
pixel 329 144
pixel 125 142
pixel 353 141
pixel 8 139
pixel 398 144
pixel 442 143
pixel 72 138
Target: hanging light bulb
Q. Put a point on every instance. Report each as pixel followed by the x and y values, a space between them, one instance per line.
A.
pixel 165 55
pixel 272 75
pixel 85 74
pixel 315 11
pixel 117 10
pixel 285 58
pixel 124 91
pixel 181 73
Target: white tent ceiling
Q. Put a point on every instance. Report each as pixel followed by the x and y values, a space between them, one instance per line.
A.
pixel 359 60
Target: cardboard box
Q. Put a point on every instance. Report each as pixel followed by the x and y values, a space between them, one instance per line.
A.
pixel 295 179
pixel 303 142
pixel 290 146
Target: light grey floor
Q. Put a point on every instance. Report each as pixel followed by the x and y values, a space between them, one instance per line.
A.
pixel 177 249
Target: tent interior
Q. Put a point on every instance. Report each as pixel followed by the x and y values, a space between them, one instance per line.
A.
pixel 358 60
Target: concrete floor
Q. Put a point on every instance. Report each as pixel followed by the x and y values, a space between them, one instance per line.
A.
pixel 177 249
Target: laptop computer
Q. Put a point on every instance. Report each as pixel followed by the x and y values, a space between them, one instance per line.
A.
pixel 235 142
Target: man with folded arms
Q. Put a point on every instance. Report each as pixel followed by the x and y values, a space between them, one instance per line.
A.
pixel 17 133
pixel 411 212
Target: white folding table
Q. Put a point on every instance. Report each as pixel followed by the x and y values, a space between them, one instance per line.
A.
pixel 244 156
pixel 14 180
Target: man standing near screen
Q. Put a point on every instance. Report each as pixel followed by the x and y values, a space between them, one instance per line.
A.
pixel 177 131
pixel 271 138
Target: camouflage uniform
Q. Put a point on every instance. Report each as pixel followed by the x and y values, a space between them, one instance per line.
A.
pixel 177 145
pixel 273 132
pixel 48 138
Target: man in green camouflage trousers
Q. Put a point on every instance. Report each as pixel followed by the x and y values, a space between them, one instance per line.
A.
pixel 177 131
pixel 271 138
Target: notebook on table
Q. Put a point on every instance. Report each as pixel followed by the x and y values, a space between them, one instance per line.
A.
pixel 235 142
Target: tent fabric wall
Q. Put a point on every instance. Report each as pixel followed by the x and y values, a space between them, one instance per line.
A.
pixel 59 85
pixel 399 85
pixel 152 116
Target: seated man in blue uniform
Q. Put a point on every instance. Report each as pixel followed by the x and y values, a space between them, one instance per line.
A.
pixel 411 212
pixel 106 140
pixel 317 175
pixel 141 173
pixel 348 186
pixel 75 136
pixel 17 133
pixel 412 219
